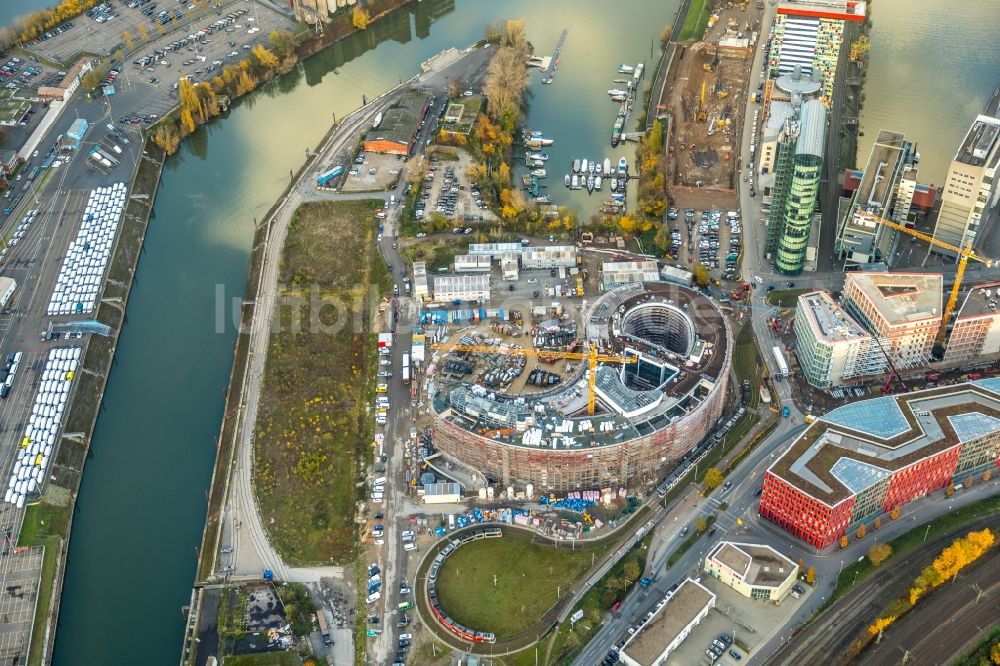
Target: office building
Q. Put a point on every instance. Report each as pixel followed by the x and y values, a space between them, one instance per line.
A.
pixel 891 163
pixel 795 195
pixel 976 332
pixel 970 191
pixel 830 345
pixel 902 310
pixel 754 570
pixel 864 459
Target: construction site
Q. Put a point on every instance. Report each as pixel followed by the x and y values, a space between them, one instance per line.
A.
pixel 706 96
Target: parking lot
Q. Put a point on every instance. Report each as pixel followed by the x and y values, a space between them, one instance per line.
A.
pixel 372 172
pixel 447 190
pixel 17 601
pixel 748 621
pixel 711 237
pixel 102 29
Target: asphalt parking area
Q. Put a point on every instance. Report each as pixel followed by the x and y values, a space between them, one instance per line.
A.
pixel 377 173
pixel 17 602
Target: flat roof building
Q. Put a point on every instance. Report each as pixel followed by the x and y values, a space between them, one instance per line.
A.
pixel 810 39
pixel 830 345
pixel 474 263
pixel 442 493
pixel 902 310
pixel 468 287
pixel 970 191
pixel 756 571
pixel 550 256
pixel 868 457
pixel 669 626
pixel 976 332
pixel 397 130
pixel 420 286
pixel 614 273
pixel 890 163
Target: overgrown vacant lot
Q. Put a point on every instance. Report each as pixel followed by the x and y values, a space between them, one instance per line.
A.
pixel 312 430
pixel 528 576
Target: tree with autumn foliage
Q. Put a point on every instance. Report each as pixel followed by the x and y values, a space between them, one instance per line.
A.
pixel 895 513
pixel 713 478
pixel 360 17
pixel 879 553
pixel 844 542
pixel 862 531
pixel 952 559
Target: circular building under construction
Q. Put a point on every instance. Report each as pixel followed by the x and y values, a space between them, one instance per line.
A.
pixel 655 403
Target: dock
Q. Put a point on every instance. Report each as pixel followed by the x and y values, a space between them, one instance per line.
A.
pixel 550 69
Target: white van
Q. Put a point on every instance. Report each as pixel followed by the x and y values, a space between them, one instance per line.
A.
pixel 373 597
pixel 380 481
pixel 451 521
pixel 409 545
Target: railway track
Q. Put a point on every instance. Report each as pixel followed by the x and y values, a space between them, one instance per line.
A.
pixel 834 629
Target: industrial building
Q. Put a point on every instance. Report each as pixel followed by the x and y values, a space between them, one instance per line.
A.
pixel 468 287
pixel 795 196
pixel 650 413
pixel 756 571
pixel 75 134
pixel 866 458
pixel 902 310
pixel 420 287
pixel 509 265
pixel 617 273
pixel 970 189
pixel 670 625
pixel 830 345
pixel 550 256
pixel 495 250
pixel 976 332
pixel 885 190
pixel 395 130
pixel 442 493
pixel 472 263
pixel 810 35
pixel 677 276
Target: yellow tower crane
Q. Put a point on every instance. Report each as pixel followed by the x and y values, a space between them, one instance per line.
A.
pixel 963 258
pixel 592 358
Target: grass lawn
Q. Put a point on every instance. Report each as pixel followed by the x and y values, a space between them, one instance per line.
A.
pixel 746 362
pixel 527 578
pixel 904 543
pixel 264 659
pixel 696 20
pixel 44 525
pixel 438 253
pixel 312 425
pixel 785 298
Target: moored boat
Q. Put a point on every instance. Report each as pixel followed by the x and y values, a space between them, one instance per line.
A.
pixel 539 156
pixel 576 166
pixel 617 91
pixel 539 172
pixel 593 167
pixel 614 184
pixel 597 168
pixel 626 69
pixel 566 179
pixel 590 183
pixel 575 182
pixel 598 182
pixel 607 165
pixel 583 165
pixel 622 166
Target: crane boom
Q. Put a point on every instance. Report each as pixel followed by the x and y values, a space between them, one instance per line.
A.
pixel 963 259
pixel 592 358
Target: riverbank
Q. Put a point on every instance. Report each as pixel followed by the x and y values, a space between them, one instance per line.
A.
pixel 59 498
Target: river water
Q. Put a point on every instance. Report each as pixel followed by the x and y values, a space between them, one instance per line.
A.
pixel 932 67
pixel 142 502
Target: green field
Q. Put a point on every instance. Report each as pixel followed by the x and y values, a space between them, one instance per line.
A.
pixel 312 425
pixel 786 298
pixel 44 525
pixel 696 20
pixel 264 659
pixel 527 579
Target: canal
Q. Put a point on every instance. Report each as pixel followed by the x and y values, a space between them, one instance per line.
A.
pixel 142 502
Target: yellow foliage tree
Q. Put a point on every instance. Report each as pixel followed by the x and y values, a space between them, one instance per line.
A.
pixel 895 513
pixel 880 624
pixel 862 531
pixel 986 477
pixel 143 31
pixel 127 39
pixel 995 653
pixel 267 59
pixel 360 17
pixel 187 121
pixel 879 553
pixel 701 274
pixel 811 575
pixel 877 524
pixel 844 542
pixel 950 490
pixel 713 478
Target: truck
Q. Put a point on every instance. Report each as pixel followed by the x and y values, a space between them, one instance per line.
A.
pixel 406 368
pixel 326 177
pixel 779 358
pixel 324 630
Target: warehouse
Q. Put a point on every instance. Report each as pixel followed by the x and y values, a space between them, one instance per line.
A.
pixel 397 130
pixel 469 287
pixel 472 263
pixel 509 265
pixel 442 493
pixel 495 250
pixel 615 273
pixel 670 625
pixel 420 288
pixel 552 256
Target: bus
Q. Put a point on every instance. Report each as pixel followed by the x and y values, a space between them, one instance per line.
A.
pixel 405 606
pixel 323 629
